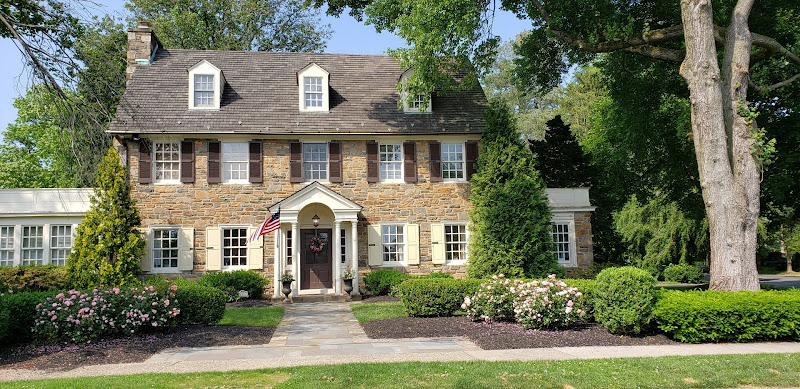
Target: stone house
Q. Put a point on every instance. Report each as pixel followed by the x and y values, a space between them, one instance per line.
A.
pixel 215 141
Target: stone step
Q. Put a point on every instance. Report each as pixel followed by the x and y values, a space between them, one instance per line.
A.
pixel 317 298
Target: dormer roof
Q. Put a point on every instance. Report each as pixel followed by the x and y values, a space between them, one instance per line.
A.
pixel 260 96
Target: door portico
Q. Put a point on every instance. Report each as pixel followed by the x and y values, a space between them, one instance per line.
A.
pixel 337 215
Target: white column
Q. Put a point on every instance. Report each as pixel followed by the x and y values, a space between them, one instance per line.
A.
pixel 354 256
pixel 337 256
pixel 277 264
pixel 295 259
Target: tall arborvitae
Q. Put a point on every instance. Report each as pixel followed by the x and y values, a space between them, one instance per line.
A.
pixel 559 158
pixel 108 247
pixel 511 232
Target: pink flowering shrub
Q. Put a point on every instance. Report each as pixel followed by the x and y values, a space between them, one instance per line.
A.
pixel 492 301
pixel 80 316
pixel 546 304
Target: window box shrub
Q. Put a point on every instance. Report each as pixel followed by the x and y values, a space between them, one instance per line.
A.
pixel 713 316
pixel 624 298
pixel 381 282
pixel 435 296
pixel 200 304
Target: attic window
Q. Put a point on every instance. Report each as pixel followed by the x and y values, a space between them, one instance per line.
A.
pixel 415 103
pixel 204 90
pixel 206 83
pixel 312 82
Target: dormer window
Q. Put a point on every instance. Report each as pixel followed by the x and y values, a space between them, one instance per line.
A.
pixel 413 104
pixel 312 82
pixel 206 83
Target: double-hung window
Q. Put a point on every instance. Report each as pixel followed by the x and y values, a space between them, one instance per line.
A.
pixel 234 248
pixel 6 245
pixel 60 244
pixel 393 242
pixel 32 245
pixel 455 239
pixel 564 241
pixel 315 161
pixel 165 248
pixel 204 90
pixel 312 89
pixel 391 162
pixel 167 162
pixel 453 161
pixel 235 163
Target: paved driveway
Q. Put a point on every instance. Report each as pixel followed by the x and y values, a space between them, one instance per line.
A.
pixel 776 280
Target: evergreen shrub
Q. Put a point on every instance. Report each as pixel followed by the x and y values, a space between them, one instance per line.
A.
pixel 624 298
pixel 716 316
pixel 200 304
pixel 234 281
pixel 683 273
pixel 381 282
pixel 18 315
pixel 35 278
pixel 435 296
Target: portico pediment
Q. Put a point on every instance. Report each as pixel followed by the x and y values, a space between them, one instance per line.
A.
pixel 343 208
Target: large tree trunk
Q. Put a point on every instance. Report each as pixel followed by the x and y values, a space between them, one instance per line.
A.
pixel 729 173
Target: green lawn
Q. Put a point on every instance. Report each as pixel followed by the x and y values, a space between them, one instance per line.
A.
pixel 378 311
pixel 257 317
pixel 728 371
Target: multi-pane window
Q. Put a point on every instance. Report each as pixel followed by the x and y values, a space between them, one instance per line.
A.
pixel 312 87
pixel 289 247
pixel 391 162
pixel 393 243
pixel 315 161
pixel 234 247
pixel 455 239
pixel 60 244
pixel 165 248
pixel 417 101
pixel 453 161
pixel 32 245
pixel 203 90
pixel 6 245
pixel 167 161
pixel 235 162
pixel 561 242
pixel 343 245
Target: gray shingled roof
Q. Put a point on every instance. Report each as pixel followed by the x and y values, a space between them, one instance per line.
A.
pixel 260 96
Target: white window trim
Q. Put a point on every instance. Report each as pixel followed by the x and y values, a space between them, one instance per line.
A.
pixel 463 161
pixel 313 70
pixel 44 248
pixel 16 250
pixel 240 181
pixel 404 96
pixel 49 242
pixel 13 249
pixel 402 164
pixel 156 181
pixel 404 262
pixel 327 162
pixel 152 257
pixel 568 219
pixel 466 236
pixel 206 68
pixel 222 229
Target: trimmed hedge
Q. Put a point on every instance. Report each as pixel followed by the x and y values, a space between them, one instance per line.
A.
pixel 231 282
pixel 35 278
pixel 381 282
pixel 18 315
pixel 624 298
pixel 683 273
pixel 435 296
pixel 714 316
pixel 200 304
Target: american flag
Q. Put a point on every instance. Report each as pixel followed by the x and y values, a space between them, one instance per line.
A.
pixel 271 224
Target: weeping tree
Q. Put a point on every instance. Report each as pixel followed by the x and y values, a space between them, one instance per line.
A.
pixel 108 247
pixel 511 232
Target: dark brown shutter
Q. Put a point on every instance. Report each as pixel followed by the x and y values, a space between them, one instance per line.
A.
pixel 410 161
pixel 372 162
pixel 295 162
pixel 256 162
pixel 187 162
pixel 335 162
pixel 436 161
pixel 214 168
pixel 472 158
pixel 145 162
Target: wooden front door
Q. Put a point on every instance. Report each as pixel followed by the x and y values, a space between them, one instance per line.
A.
pixel 315 267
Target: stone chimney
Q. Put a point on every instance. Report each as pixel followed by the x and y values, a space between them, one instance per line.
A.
pixel 142 44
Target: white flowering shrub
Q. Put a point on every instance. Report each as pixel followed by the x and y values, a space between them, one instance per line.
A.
pixel 80 316
pixel 546 304
pixel 492 301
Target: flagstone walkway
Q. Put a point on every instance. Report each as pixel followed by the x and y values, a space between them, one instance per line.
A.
pixel 317 329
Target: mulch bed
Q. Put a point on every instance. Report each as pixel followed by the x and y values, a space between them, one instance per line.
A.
pixel 498 336
pixel 127 350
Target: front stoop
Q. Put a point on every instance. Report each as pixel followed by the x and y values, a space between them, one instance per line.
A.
pixel 317 298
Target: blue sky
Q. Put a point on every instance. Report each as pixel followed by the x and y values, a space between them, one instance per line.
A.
pixel 349 37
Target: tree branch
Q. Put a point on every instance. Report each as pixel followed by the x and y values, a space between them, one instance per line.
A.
pixel 766 89
pixel 27 51
pixel 664 54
